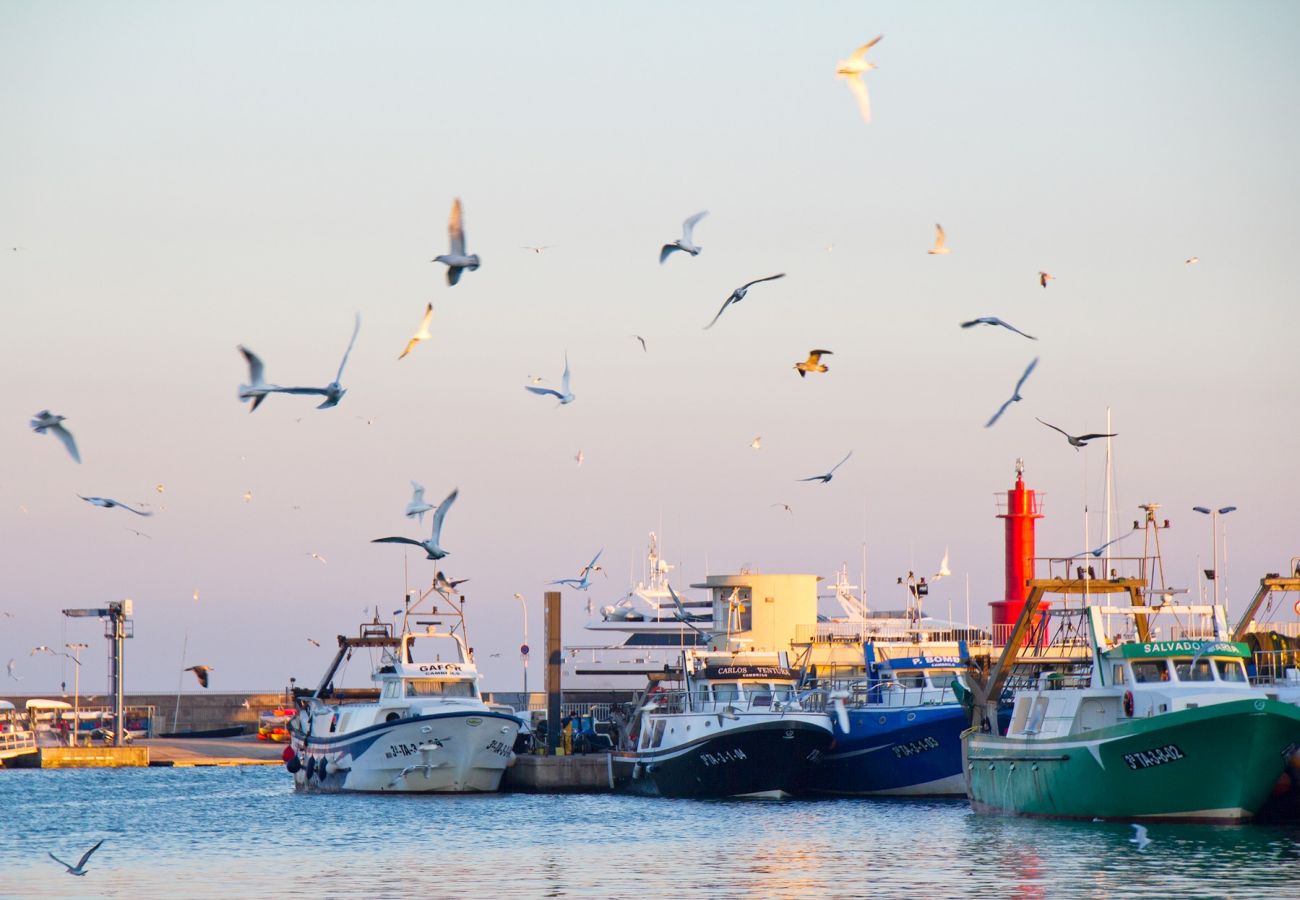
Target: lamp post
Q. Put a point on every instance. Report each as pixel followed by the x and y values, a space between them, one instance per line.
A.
pixel 523 648
pixel 1214 541
pixel 76 681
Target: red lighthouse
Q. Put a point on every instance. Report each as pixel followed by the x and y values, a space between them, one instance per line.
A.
pixel 1022 510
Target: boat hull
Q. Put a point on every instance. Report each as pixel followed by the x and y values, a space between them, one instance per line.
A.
pixel 907 751
pixel 767 758
pixel 465 751
pixel 1215 763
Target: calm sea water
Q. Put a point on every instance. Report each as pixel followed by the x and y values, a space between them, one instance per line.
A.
pixel 227 832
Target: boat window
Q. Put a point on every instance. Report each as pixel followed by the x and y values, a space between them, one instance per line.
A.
pixel 941 678
pixel 1198 672
pixel 659 733
pixel 725 691
pixel 392 690
pixel 429 687
pixel 758 694
pixel 910 679
pixel 1150 670
pixel 782 692
pixel 1231 670
pixel 1119 673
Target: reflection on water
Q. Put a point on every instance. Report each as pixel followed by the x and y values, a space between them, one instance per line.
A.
pixel 220 832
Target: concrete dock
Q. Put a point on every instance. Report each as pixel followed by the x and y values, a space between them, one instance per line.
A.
pixel 591 773
pixel 240 751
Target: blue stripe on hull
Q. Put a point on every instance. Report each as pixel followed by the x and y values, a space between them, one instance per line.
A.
pixel 913 751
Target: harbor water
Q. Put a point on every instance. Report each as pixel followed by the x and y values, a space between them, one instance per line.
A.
pixel 222 832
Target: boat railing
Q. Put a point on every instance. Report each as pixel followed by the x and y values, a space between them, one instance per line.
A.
pixel 695 702
pixel 1277 667
pixel 896 694
pixel 1289 629
pixel 868 632
pixel 17 740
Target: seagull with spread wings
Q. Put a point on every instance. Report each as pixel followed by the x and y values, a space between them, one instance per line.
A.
pixel 583 581
pixel 431 546
pixel 422 334
pixel 994 320
pixel 1044 277
pixel 852 70
pixel 80 867
pixel 457 261
pixel 332 392
pixel 418 505
pixel 109 503
pixel 257 387
pixel 46 421
pixel 813 363
pixel 827 477
pixel 1076 441
pixel 201 673
pixel 563 394
pixel 739 294
pixel 1015 395
pixel 686 241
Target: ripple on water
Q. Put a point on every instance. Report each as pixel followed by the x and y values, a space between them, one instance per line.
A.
pixel 220 832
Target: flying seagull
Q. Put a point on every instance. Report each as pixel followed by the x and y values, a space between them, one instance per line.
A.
pixel 739 294
pixel 444 585
pixel 1044 277
pixel 456 261
pixel 257 387
pixel 1076 442
pixel 685 241
pixel 45 421
pixel 80 867
pixel 938 248
pixel 1191 261
pixel 418 505
pixel 943 572
pixel 1015 395
pixel 852 69
pixel 201 673
pixel 564 394
pixel 993 320
pixel 583 581
pixel 13 669
pixel 756 443
pixel 784 506
pixel 109 503
pixel 537 249
pixel 1098 551
pixel 1139 836
pixel 813 363
pixel 642 340
pixel 313 642
pixel 827 477
pixel 430 546
pixel 422 334
pixel 332 392
pixel 579 457
pixel 316 556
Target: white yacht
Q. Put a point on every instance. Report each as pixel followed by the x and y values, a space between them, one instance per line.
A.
pixel 421 728
pixel 641 634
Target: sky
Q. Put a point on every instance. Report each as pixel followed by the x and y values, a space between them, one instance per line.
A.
pixel 180 179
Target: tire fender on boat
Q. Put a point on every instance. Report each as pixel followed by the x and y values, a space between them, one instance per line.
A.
pixel 1128 704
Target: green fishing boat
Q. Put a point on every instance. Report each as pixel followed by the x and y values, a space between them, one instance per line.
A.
pixel 1108 723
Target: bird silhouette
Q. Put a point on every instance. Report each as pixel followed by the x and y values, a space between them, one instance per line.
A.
pixel 109 503
pixel 686 241
pixel 851 71
pixel 46 421
pixel 421 334
pixel 332 392
pixel 80 867
pixel 418 505
pixel 457 261
pixel 583 581
pixel 1044 277
pixel 201 673
pixel 1079 441
pixel 827 477
pixel 431 546
pixel 813 363
pixel 564 395
pixel 739 294
pixel 939 239
pixel 993 320
pixel 1015 395
pixel 1139 837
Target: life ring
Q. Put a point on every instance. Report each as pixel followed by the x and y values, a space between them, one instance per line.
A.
pixel 1128 704
pixel 1297 607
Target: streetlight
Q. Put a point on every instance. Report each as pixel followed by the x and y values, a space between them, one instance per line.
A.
pixel 1214 541
pixel 523 648
pixel 76 681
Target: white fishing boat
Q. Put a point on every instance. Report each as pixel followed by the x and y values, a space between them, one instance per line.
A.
pixel 421 728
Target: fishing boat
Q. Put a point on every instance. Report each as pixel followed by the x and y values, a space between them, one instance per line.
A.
pixel 16 736
pixel 1108 721
pixel 899 733
pixel 722 725
pixel 422 727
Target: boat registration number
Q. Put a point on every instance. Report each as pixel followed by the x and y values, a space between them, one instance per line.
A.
pixel 499 748
pixel 722 757
pixel 396 750
pixel 1145 759
pixel 912 748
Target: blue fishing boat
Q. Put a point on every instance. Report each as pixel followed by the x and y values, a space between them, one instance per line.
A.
pixel 898 732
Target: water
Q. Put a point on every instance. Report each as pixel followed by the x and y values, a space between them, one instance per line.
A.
pixel 223 832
